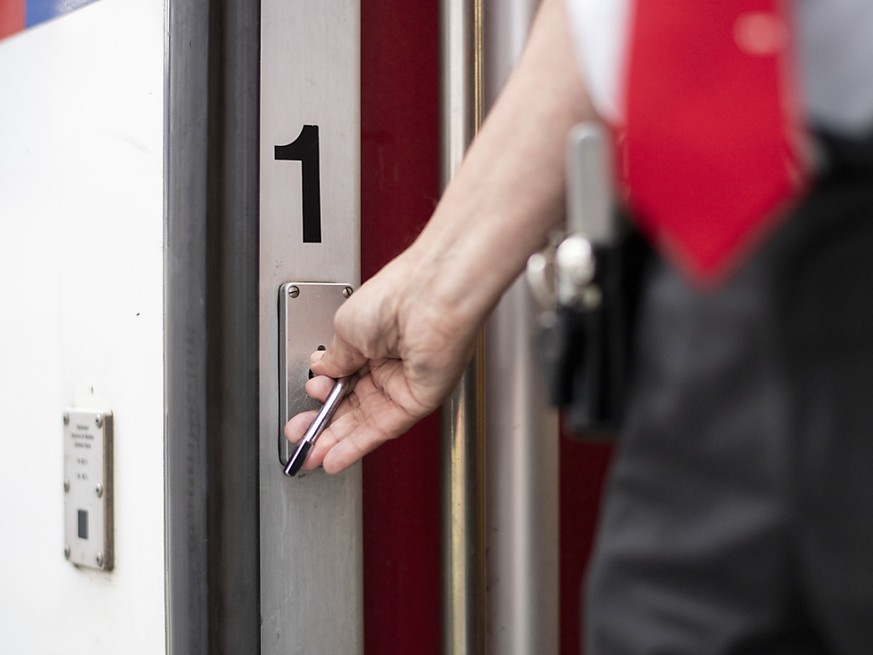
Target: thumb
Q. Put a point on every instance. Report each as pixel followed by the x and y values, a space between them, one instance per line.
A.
pixel 339 360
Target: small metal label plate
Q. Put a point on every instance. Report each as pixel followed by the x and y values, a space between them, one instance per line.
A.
pixel 88 488
pixel 306 311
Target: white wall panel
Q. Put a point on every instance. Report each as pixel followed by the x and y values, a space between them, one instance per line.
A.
pixel 81 320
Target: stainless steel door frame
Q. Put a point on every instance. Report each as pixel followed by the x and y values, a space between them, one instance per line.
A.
pixel 311 530
pixel 211 326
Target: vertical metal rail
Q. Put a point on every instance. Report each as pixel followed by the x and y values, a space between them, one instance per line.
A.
pixel 211 326
pixel 521 430
pixel 522 504
pixel 233 565
pixel 185 371
pixel 463 524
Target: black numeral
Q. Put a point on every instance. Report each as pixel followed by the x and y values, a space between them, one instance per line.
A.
pixel 305 150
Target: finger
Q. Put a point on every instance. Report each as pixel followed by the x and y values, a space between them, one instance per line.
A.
pixel 364 421
pixel 339 360
pixel 365 438
pixel 296 427
pixel 319 387
pixel 331 435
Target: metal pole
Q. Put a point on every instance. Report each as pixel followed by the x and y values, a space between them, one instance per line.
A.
pixel 521 430
pixel 233 567
pixel 185 346
pixel 211 327
pixel 522 486
pixel 463 529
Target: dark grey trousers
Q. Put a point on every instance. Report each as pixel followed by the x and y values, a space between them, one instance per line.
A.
pixel 739 512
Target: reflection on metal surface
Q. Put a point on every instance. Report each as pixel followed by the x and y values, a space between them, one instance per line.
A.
pixel 462 417
pixel 463 480
pixel 462 84
pixel 522 485
pixel 589 201
pixel 88 526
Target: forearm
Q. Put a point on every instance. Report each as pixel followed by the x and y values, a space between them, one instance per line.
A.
pixel 509 191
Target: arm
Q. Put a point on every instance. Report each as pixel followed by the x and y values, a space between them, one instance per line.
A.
pixel 410 329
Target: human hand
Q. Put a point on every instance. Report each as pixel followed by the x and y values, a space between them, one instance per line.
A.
pixel 408 348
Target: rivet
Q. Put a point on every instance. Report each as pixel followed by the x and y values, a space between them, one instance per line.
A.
pixel 66 485
pixel 66 551
pixel 347 291
pixel 100 560
pixel 293 291
pixel 99 490
pixel 66 418
pixel 99 420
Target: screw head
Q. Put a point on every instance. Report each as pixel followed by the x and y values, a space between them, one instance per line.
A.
pixel 100 560
pixel 99 490
pixel 347 291
pixel 293 291
pixel 66 485
pixel 66 418
pixel 66 551
pixel 99 420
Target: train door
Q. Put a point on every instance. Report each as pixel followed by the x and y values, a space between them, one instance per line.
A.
pixel 188 190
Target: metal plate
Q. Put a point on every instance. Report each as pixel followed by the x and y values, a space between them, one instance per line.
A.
pixel 311 526
pixel 88 488
pixel 306 312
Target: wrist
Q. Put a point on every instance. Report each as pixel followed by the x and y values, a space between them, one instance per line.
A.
pixel 455 279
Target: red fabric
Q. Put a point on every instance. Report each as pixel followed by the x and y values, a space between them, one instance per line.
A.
pixel 709 153
pixel 12 17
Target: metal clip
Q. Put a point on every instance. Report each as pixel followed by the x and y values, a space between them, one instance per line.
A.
pixel 563 274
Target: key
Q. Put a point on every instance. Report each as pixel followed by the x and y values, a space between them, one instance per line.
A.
pixel 340 388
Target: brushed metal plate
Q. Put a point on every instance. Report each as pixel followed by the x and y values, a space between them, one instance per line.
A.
pixel 311 534
pixel 88 485
pixel 306 312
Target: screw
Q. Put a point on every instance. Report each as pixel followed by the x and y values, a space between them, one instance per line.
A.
pixel 347 291
pixel 99 420
pixel 66 485
pixel 293 291
pixel 66 551
pixel 100 560
pixel 66 418
pixel 99 490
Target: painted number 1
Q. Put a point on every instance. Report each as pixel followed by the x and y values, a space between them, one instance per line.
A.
pixel 305 150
